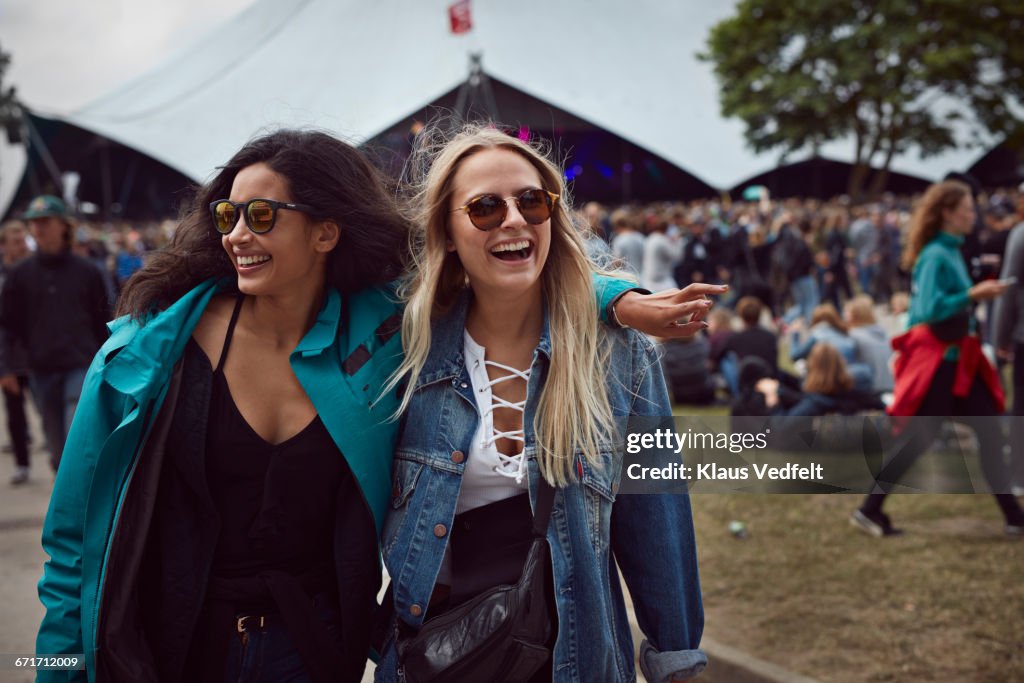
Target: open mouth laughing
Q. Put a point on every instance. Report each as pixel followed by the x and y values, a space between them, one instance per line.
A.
pixel 513 250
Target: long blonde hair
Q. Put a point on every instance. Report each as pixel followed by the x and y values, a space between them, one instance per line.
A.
pixel 573 412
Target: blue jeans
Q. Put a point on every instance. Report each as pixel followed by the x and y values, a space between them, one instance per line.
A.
pixel 270 656
pixel 729 366
pixel 866 275
pixel 267 656
pixel 56 395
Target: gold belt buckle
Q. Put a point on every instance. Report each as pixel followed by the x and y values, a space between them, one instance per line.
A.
pixel 243 627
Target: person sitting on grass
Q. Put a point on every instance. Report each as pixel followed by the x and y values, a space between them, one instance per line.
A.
pixel 686 366
pixel 828 327
pixel 827 388
pixel 873 343
pixel 752 340
pixel 756 383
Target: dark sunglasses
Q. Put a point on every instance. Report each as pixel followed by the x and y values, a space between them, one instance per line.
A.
pixel 488 211
pixel 260 214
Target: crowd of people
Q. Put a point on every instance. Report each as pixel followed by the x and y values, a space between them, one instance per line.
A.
pixel 802 273
pixel 59 280
pixel 810 282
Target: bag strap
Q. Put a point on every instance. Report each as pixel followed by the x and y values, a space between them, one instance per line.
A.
pixel 545 501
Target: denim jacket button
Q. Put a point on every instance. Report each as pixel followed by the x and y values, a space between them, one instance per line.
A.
pixel 440 530
pixel 416 610
pixel 458 457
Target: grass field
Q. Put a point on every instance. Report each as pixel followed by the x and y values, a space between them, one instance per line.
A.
pixel 807 591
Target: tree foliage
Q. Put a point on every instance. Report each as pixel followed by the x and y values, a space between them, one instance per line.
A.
pixel 891 75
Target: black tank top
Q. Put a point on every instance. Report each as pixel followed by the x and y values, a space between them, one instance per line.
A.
pixel 276 501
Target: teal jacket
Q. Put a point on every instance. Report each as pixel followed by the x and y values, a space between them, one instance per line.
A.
pixel 939 285
pixel 940 281
pixel 341 363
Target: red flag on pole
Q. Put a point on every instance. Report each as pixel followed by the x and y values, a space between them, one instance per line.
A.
pixel 460 16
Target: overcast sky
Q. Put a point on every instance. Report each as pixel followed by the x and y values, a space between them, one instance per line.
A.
pixel 66 53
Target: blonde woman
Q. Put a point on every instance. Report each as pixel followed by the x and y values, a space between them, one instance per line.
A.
pixel 510 383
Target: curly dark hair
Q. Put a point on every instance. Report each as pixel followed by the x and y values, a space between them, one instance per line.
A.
pixel 321 171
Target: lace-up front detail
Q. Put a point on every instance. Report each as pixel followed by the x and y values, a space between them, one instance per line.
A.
pixel 512 466
pixel 489 475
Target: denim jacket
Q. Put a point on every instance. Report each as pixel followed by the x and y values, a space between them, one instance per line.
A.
pixel 650 537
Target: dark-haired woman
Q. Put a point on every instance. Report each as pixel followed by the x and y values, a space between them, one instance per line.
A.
pixel 218 510
pixel 941 371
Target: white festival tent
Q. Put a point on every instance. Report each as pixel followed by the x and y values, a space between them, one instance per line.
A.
pixel 356 67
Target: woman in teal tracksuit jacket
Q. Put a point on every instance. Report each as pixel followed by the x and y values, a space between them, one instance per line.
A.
pixel 140 396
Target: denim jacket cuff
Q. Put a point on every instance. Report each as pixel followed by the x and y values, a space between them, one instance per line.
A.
pixel 661 667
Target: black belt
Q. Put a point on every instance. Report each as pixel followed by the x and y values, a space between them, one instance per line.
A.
pixel 254 622
pixel 292 607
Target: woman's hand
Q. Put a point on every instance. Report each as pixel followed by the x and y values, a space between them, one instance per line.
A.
pixel 987 289
pixel 675 313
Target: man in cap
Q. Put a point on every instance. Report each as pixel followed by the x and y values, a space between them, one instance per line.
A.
pixel 55 304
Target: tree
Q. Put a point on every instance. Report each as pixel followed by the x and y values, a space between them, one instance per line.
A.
pixel 889 74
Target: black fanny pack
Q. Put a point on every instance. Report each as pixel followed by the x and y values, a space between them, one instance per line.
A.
pixel 501 634
pixel 953 328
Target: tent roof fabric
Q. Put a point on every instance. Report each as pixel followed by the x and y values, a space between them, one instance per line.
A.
pixel 357 67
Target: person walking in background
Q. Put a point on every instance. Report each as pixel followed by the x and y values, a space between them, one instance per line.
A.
pixel 1008 338
pixel 941 371
pixel 627 242
pixel 55 304
pixel 129 250
pixel 798 269
pixel 864 238
pixel 835 277
pixel 13 363
pixel 695 264
pixel 661 254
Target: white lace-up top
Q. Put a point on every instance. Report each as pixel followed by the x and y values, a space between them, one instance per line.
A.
pixel 489 475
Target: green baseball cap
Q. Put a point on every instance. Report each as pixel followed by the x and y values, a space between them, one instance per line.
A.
pixel 47 205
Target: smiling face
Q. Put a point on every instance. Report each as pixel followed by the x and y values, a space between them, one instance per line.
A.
pixel 960 220
pixel 289 259
pixel 506 262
